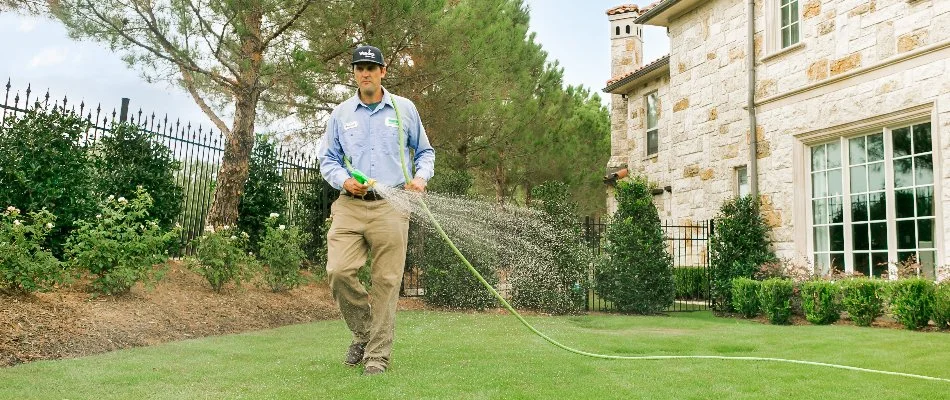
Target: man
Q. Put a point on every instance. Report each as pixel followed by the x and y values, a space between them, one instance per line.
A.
pixel 365 131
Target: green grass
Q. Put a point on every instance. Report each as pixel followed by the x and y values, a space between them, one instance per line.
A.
pixel 485 356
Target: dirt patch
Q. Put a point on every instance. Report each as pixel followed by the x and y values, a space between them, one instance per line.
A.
pixel 70 322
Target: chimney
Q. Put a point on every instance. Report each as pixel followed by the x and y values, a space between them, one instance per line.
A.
pixel 626 40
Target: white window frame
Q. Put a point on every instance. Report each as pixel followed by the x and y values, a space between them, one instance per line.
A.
pixel 774 28
pixel 742 171
pixel 646 123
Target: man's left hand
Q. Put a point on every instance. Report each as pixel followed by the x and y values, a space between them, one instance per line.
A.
pixel 417 185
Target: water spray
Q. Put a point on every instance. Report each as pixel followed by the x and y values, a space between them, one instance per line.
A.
pixel 362 178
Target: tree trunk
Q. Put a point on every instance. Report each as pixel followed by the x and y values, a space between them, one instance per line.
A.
pixel 499 183
pixel 238 145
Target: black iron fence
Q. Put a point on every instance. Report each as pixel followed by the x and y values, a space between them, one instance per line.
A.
pixel 199 150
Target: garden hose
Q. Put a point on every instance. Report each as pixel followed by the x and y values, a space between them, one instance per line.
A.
pixel 488 286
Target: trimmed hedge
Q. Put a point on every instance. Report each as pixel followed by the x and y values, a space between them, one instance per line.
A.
pixel 863 299
pixel 912 301
pixel 775 298
pixel 941 308
pixel 745 296
pixel 821 301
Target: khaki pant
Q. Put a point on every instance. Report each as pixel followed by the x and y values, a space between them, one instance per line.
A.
pixel 358 227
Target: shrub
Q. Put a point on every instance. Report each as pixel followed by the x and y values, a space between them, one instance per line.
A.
pixel 738 246
pixel 863 299
pixel 638 276
pixel 25 266
pixel 558 282
pixel 691 283
pixel 198 183
pixel 315 219
pixel 43 166
pixel 121 245
pixel 130 158
pixel 221 257
pixel 775 297
pixel 263 192
pixel 821 301
pixel 941 307
pixel 912 301
pixel 281 255
pixel 745 296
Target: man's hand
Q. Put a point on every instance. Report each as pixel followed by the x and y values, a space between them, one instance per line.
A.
pixel 354 187
pixel 416 185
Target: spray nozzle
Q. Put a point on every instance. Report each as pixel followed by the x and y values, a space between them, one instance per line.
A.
pixel 361 177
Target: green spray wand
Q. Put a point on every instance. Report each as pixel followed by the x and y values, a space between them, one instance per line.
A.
pixel 488 286
pixel 357 174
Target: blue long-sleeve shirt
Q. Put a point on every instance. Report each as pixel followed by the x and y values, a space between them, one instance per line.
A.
pixel 371 139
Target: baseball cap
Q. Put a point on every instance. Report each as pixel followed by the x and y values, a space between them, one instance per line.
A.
pixel 368 54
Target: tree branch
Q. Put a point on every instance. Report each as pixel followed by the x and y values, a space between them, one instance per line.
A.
pixel 189 80
pixel 288 24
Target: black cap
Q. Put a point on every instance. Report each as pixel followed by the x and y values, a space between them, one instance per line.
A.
pixel 368 54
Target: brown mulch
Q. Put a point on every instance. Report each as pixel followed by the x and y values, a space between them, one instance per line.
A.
pixel 71 322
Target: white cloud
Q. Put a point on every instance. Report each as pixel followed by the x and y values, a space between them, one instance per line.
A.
pixel 27 25
pixel 48 57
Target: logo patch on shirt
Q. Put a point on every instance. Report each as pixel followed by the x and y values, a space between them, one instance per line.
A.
pixel 349 125
pixel 392 122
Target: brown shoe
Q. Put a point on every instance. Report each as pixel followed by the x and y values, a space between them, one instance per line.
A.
pixel 354 355
pixel 373 370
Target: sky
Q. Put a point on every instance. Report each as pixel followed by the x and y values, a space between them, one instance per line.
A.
pixel 37 51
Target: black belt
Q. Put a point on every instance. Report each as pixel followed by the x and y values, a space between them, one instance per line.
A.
pixel 370 196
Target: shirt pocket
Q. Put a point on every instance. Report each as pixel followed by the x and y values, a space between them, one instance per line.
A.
pixel 390 140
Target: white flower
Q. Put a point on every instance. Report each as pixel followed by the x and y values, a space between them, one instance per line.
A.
pixel 111 197
pixel 282 227
pixel 16 222
pixel 142 227
pixel 49 225
pixel 12 209
pixel 98 216
pixel 245 235
pixel 233 237
pixel 123 200
pixel 209 228
pixel 226 227
pixel 152 223
pixel 274 215
pixel 177 225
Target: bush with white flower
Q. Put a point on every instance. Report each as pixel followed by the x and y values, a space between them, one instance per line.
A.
pixel 25 265
pixel 122 245
pixel 221 256
pixel 281 255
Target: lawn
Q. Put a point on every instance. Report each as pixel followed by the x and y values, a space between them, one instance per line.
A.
pixel 442 355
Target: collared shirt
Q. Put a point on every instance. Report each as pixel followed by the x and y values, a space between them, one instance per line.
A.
pixel 371 139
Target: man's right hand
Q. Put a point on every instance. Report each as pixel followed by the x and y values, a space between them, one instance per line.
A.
pixel 354 187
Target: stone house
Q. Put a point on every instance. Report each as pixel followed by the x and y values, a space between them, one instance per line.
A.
pixel 850 100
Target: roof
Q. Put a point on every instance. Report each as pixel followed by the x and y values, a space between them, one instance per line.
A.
pixel 663 12
pixel 623 9
pixel 616 82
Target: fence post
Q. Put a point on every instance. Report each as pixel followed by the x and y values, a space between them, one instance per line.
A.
pixel 124 111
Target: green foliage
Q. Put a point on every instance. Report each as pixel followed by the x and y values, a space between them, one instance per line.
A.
pixel 941 306
pixel 221 257
pixel 198 189
pixel 314 220
pixel 912 301
pixel 263 192
pixel 775 298
pixel 863 299
pixel 25 265
pixel 738 246
pixel 43 166
pixel 745 296
pixel 821 301
pixel 281 255
pixel 559 284
pixel 692 283
pixel 639 274
pixel 121 246
pixel 129 158
pixel 451 182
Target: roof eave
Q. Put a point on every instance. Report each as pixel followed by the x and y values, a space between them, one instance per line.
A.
pixel 665 12
pixel 625 85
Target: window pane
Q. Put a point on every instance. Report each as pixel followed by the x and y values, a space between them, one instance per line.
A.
pixel 856 151
pixel 925 201
pixel 785 16
pixel 879 236
pixel 925 234
pixel 653 144
pixel 833 152
pixel 821 238
pixel 903 173
pixel 651 110
pixel 834 182
pixel 901 142
pixel 859 237
pixel 924 170
pixel 876 147
pixel 793 15
pixel 905 203
pixel 794 33
pixel 822 261
pixel 819 211
pixel 879 263
pixel 922 138
pixel 877 206
pixel 835 210
pixel 819 186
pixel 859 179
pixel 927 262
pixel 837 261
pixel 876 176
pixel 837 237
pixel 818 158
pixel 906 256
pixel 859 207
pixel 862 264
pixel 906 234
pixel 786 37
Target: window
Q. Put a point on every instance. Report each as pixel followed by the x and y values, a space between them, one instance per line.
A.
pixel 790 23
pixel 628 29
pixel 618 31
pixel 653 140
pixel 742 181
pixel 872 201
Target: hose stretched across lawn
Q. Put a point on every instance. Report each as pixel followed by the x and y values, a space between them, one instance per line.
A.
pixel 438 227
